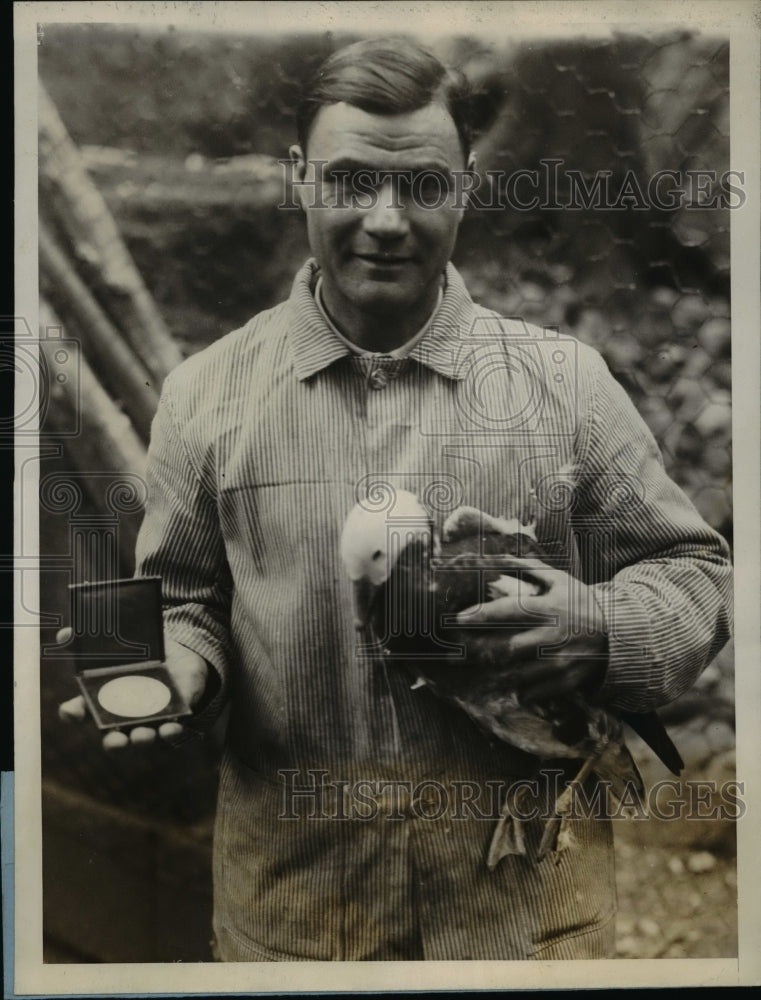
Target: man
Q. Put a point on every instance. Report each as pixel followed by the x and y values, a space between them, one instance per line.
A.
pixel 378 374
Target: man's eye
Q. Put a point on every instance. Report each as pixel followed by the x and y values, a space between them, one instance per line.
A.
pixel 349 181
pixel 431 185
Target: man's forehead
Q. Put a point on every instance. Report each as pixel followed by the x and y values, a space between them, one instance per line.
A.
pixel 342 131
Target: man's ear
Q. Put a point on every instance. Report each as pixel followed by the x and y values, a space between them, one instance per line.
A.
pixel 299 168
pixel 470 167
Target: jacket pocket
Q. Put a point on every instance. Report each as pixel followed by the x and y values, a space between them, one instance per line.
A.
pixel 233 947
pixel 595 940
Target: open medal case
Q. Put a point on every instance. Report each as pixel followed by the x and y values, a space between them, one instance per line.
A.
pixel 118 648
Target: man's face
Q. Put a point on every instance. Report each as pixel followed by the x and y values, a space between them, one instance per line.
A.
pixel 380 248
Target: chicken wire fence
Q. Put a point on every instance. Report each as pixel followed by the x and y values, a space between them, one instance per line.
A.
pixel 604 212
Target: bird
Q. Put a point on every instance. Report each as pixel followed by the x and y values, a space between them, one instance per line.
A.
pixel 409 583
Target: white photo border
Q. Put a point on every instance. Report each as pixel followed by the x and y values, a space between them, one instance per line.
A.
pixel 740 21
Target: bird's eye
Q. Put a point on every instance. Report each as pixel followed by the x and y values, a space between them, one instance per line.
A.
pixel 377 554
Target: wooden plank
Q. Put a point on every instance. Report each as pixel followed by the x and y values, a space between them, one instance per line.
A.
pixel 95 239
pixel 120 371
pixel 106 443
pixel 145 182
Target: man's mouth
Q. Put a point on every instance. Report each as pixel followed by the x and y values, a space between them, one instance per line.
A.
pixel 384 259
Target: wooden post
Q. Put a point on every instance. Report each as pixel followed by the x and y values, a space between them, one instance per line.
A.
pixel 120 371
pixel 84 216
pixel 98 437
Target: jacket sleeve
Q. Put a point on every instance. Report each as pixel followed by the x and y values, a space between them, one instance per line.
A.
pixel 660 575
pixel 180 541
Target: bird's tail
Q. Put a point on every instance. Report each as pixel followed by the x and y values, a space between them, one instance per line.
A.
pixel 650 728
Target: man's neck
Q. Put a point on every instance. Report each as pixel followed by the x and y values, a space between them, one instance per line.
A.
pixel 378 332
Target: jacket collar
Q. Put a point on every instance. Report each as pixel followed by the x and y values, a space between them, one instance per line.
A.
pixel 314 345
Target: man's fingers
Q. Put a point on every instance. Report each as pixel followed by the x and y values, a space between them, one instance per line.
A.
pixel 141 735
pixel 73 710
pixel 189 671
pixel 528 642
pixel 505 611
pixel 502 611
pixel 532 568
pixel 115 740
pixel 170 730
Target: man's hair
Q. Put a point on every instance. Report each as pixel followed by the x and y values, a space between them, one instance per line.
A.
pixel 385 76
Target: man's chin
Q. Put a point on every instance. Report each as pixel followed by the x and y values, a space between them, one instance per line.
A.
pixel 393 289
pixel 386 301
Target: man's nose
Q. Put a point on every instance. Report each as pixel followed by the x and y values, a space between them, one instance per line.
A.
pixel 386 219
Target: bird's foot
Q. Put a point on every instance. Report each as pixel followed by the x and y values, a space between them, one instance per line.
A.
pixel 558 835
pixel 549 841
pixel 509 838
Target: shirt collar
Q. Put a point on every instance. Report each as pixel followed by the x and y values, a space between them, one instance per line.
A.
pixel 314 345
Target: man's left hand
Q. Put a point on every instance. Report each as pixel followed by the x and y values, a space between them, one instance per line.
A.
pixel 562 645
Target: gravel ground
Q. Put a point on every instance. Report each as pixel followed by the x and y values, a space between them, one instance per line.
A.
pixel 674 902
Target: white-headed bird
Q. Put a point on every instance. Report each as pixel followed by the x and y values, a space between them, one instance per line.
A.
pixel 409 586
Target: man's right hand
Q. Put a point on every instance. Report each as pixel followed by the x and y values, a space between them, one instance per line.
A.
pixel 189 672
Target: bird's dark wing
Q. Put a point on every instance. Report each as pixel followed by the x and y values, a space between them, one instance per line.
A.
pixel 414 619
pixel 461 579
pixel 499 558
pixel 650 728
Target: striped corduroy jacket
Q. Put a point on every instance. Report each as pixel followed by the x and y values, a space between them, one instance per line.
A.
pixel 354 813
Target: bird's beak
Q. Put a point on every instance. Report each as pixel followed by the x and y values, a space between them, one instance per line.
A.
pixel 365 595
